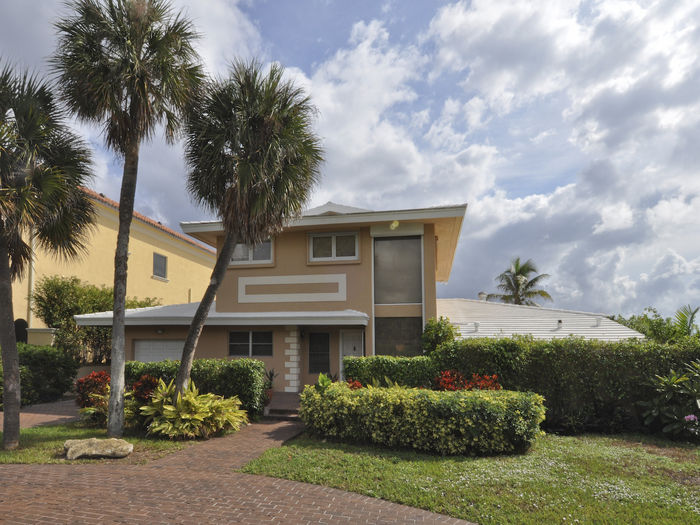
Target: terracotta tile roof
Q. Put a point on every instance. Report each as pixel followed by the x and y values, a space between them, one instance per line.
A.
pixel 139 216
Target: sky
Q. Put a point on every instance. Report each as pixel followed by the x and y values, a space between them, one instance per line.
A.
pixel 571 129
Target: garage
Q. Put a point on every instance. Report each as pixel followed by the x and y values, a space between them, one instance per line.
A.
pixel 149 350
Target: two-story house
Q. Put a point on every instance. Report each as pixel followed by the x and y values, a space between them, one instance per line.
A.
pixel 337 281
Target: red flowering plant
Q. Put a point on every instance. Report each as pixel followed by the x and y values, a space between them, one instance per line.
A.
pixel 454 380
pixel 86 388
pixel 354 384
pixel 144 387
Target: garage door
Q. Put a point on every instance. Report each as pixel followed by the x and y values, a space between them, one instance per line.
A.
pixel 148 350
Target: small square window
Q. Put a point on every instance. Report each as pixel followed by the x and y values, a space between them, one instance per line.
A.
pixel 160 265
pixel 262 344
pixel 239 343
pixel 345 245
pixel 323 247
pixel 263 251
pixel 240 253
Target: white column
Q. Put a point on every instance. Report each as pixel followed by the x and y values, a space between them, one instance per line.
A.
pixel 292 359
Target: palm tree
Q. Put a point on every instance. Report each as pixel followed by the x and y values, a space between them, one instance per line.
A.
pixel 516 285
pixel 42 168
pixel 685 319
pixel 129 65
pixel 253 159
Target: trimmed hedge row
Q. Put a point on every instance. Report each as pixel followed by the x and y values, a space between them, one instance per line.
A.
pixel 244 378
pixel 46 373
pixel 587 385
pixel 464 422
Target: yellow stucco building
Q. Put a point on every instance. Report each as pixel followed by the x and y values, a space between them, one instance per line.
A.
pixel 163 264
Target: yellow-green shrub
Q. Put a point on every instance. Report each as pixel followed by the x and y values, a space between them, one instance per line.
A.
pixel 462 422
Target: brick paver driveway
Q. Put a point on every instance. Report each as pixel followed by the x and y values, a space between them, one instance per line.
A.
pixel 53 413
pixel 195 485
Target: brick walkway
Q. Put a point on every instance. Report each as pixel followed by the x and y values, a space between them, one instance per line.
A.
pixel 47 413
pixel 195 485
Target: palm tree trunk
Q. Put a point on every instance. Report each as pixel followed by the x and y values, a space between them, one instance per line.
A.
pixel 11 396
pixel 115 420
pixel 200 316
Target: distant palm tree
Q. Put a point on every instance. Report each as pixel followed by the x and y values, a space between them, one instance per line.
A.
pixel 42 168
pixel 685 319
pixel 253 160
pixel 129 65
pixel 516 285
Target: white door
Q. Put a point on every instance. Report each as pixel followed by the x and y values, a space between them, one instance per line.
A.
pixel 149 350
pixel 351 344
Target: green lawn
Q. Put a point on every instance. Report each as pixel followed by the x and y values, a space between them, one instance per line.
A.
pixel 44 444
pixel 585 479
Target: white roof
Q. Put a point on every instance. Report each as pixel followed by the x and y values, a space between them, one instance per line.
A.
pixel 486 319
pixel 181 314
pixel 331 208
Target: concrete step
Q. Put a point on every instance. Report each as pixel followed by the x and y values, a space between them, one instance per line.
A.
pixel 278 413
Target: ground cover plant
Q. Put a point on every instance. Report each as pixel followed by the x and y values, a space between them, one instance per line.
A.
pixel 44 444
pixel 561 479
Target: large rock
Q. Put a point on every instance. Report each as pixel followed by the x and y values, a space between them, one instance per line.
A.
pixel 97 448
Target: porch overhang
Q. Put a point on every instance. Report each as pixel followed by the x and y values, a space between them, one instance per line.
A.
pixel 181 315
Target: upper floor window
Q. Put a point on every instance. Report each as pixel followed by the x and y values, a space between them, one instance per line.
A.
pixel 160 266
pixel 333 247
pixel 259 254
pixel 398 270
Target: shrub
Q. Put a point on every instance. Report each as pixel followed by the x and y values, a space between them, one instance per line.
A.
pixel 408 371
pixel 673 409
pixel 588 385
pixel 191 415
pixel 144 387
pixel 437 332
pixel 46 373
pixel 86 387
pixel 453 380
pixel 477 422
pixel 242 378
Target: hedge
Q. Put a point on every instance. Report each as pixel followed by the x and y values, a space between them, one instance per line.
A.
pixel 46 373
pixel 588 385
pixel 462 422
pixel 244 378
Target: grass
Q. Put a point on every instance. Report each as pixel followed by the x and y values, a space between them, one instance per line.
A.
pixel 583 479
pixel 44 444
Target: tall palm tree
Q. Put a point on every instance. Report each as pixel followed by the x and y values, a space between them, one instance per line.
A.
pixel 129 65
pixel 253 159
pixel 42 168
pixel 516 285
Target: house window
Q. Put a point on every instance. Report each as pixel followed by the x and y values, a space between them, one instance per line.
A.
pixel 160 265
pixel 319 353
pixel 333 247
pixel 398 270
pixel 250 344
pixel 259 254
pixel 398 336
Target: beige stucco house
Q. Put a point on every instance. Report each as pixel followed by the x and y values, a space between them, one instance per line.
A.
pixel 337 281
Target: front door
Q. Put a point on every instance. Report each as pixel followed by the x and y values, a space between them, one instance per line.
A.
pixel 351 344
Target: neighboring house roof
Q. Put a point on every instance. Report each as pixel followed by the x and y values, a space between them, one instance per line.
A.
pixel 447 221
pixel 100 197
pixel 181 314
pixel 486 319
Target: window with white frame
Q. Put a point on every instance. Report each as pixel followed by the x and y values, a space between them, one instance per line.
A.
pixel 249 343
pixel 259 254
pixel 333 247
